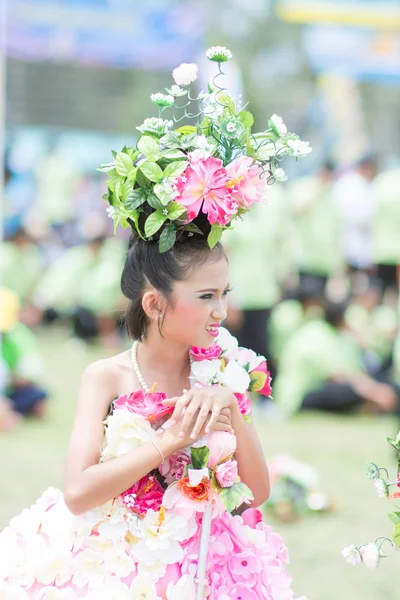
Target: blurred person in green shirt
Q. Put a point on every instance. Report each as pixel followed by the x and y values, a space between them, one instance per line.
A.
pixel 259 261
pixel 321 368
pixel 386 227
pixel 21 356
pixel 315 222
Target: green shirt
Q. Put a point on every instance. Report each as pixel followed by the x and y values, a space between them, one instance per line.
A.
pixel 386 222
pixel 21 354
pixel 21 268
pixel 312 355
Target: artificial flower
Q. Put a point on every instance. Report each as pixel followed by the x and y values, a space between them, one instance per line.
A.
pixel 173 467
pixel 176 91
pixel 298 148
pixel 280 175
pixel 210 353
pixel 197 476
pixel 143 588
pixel 227 473
pixel 206 372
pixel 278 126
pixel 244 403
pixel 162 100
pixel 235 377
pixel 198 493
pixel 218 54
pixel 146 404
pixel 155 125
pixel 245 181
pixel 183 589
pixel 370 556
pixel 145 494
pixel 380 487
pixel 226 341
pixel 185 74
pixel 352 555
pixel 125 432
pixel 119 562
pixel 222 445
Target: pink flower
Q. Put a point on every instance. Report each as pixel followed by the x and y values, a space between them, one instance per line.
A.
pixel 210 353
pixel 243 403
pixel 245 181
pixel 173 468
pixel 244 566
pixel 146 404
pixel 202 187
pixel 242 592
pixel 221 445
pixel 262 368
pixel 144 495
pixel 226 473
pixel 187 500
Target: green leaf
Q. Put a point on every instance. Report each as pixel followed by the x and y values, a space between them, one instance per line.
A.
pixel 124 190
pixel 257 381
pixel 123 164
pixel 235 495
pixel 394 517
pixel 186 129
pixel 173 154
pixel 200 457
pixel 214 483
pixel 175 169
pixel 246 118
pixel 152 171
pixel 135 199
pixel 142 181
pixel 205 127
pixel 214 236
pixel 132 176
pixel 167 239
pixel 396 535
pixel 161 194
pixel 175 210
pixel 153 223
pixel 148 146
pixel 191 227
pixel 135 218
pixel 155 202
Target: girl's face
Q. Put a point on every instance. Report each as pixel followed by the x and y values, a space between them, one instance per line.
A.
pixel 198 305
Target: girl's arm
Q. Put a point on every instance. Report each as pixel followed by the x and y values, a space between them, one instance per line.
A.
pixel 86 482
pixel 249 454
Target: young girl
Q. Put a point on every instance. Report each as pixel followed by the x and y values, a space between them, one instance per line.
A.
pixel 163 446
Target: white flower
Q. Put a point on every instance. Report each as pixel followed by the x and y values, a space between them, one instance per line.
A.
pixel 12 592
pixel 156 125
pixel 154 572
pixel 280 175
pixel 202 143
pixel 117 561
pixel 380 487
pixel 183 589
pixel 246 358
pixel 53 593
pixel 197 475
pixel 278 125
pixel 352 555
pixel 218 54
pixel 125 432
pixel 185 74
pixel 52 564
pixel 110 212
pixel 88 566
pixel 235 377
pixel 160 534
pixel 143 588
pixel 207 372
pixel 162 99
pixel 370 556
pixel 298 148
pixel 176 91
pixel 111 588
pixel 226 340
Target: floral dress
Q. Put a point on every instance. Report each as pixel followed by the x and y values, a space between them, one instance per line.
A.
pixel 144 544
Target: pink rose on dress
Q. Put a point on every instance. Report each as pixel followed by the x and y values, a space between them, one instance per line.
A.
pixel 173 468
pixel 145 494
pixel 226 473
pixel 210 353
pixel 262 368
pixel 146 404
pixel 243 403
pixel 221 445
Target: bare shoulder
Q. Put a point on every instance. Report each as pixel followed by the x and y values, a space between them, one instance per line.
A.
pixel 109 373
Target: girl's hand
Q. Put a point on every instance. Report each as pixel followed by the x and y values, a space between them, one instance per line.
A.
pixel 199 403
pixel 223 423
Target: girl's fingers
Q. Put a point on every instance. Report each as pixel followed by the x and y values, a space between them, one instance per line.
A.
pixel 180 404
pixel 190 412
pixel 213 419
pixel 201 419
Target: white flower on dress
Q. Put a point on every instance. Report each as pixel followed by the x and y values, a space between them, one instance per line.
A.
pixel 298 148
pixel 184 588
pixel 280 175
pixel 235 377
pixel 118 561
pixel 207 372
pixel 154 572
pixel 143 588
pixel 54 593
pixel 370 556
pixel 125 432
pixel 246 358
pixel 278 125
pixel 111 588
pixel 51 564
pixel 226 340
pixel 197 475
pixel 218 54
pixel 88 567
pixel 12 592
pixel 185 74
pixel 352 555
pixel 160 534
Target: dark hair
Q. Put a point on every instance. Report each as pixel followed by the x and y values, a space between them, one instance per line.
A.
pixel 145 265
pixel 335 312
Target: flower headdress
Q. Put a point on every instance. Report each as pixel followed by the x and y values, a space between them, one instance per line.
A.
pixel 197 178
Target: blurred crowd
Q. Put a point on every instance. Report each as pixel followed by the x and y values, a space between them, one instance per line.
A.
pixel 314 273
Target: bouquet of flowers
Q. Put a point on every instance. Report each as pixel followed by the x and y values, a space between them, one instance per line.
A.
pixel 199 177
pixel 370 553
pixel 294 489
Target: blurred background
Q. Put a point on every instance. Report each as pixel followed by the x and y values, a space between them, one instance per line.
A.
pixel 315 272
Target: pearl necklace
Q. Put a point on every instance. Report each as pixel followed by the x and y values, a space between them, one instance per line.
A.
pixel 136 369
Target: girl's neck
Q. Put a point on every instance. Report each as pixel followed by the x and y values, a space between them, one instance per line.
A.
pixel 167 358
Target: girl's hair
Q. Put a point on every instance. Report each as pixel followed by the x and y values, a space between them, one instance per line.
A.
pixel 145 266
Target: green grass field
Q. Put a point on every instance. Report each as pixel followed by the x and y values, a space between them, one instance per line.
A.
pixel 33 456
